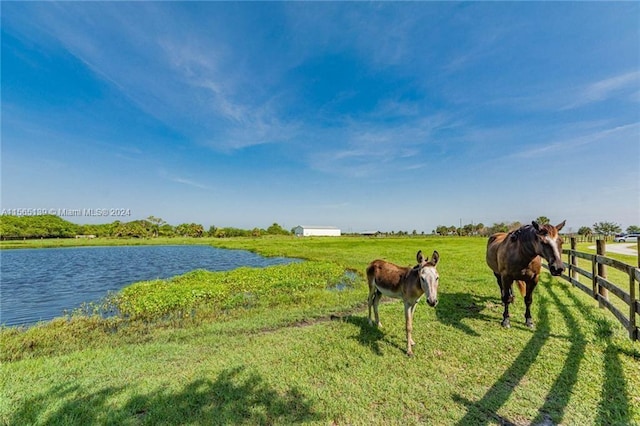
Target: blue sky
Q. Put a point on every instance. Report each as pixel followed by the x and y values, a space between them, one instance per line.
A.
pixel 365 116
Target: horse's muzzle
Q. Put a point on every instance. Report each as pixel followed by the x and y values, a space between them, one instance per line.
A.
pixel 432 304
pixel 556 272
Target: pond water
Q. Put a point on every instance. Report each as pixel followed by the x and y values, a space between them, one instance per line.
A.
pixel 40 284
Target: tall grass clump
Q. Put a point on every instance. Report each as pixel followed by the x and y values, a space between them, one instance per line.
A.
pixel 297 284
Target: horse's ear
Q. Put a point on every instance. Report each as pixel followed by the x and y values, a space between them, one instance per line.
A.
pixel 561 225
pixel 535 225
pixel 435 258
pixel 419 256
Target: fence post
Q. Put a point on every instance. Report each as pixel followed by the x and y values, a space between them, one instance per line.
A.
pixel 632 305
pixel 573 261
pixel 633 333
pixel 601 249
pixel 594 277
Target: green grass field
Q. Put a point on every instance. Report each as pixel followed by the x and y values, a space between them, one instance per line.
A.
pixel 289 345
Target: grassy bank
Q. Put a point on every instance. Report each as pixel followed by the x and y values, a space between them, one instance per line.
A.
pixel 291 344
pixel 93 242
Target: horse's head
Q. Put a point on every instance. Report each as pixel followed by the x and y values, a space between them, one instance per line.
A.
pixel 549 245
pixel 429 277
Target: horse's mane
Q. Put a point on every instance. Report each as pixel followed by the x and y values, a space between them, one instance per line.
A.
pixel 523 233
pixel 526 233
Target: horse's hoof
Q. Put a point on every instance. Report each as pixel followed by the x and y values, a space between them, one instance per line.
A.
pixel 529 324
pixel 410 354
pixel 506 323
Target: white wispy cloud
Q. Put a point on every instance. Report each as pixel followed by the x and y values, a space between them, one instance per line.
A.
pixel 480 47
pixel 176 176
pixel 611 135
pixel 196 85
pixel 365 148
pixel 189 182
pixel 624 85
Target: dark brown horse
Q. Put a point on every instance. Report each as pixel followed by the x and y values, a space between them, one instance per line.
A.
pixel 406 283
pixel 516 256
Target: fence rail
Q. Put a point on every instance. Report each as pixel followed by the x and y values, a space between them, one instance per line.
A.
pixel 601 286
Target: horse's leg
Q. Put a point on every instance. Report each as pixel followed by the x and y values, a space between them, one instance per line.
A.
pixel 413 310
pixel 372 295
pixel 528 298
pixel 376 301
pixel 507 297
pixel 408 316
pixel 497 275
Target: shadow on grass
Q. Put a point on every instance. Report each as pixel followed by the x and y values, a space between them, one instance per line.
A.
pixel 614 398
pixel 614 406
pixel 560 393
pixel 235 397
pixel 486 409
pixel 454 308
pixel 370 336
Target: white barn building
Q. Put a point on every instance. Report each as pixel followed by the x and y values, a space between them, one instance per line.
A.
pixel 316 231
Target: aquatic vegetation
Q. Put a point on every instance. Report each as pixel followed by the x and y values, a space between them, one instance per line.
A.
pixel 297 283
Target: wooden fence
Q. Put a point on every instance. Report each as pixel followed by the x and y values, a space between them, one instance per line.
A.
pixel 601 286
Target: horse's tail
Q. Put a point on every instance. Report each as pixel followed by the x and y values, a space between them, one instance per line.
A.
pixel 523 288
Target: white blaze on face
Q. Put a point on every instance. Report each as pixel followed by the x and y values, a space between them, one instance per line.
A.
pixel 553 243
pixel 429 281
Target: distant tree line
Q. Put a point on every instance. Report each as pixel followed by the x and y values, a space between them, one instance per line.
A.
pixel 599 229
pixel 45 226
pixel 51 226
pixel 606 229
